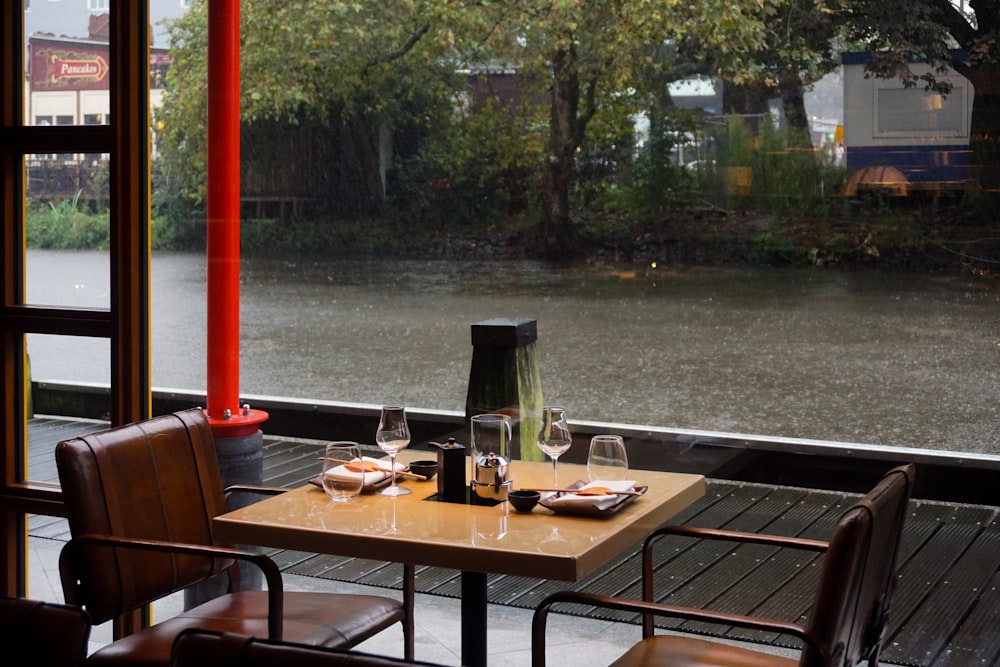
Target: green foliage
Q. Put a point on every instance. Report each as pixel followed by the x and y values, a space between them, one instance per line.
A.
pixel 64 225
pixel 476 169
pixel 342 238
pixel 177 233
pixel 789 181
pixel 658 181
pixel 773 247
pixel 766 171
pixel 334 63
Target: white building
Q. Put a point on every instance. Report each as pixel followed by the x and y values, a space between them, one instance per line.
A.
pixel 70 17
pixel 66 83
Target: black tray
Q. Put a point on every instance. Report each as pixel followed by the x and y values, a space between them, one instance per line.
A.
pixel 589 510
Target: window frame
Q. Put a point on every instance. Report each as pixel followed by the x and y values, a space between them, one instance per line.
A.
pixel 126 323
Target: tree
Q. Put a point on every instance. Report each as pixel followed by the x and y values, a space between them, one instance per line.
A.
pixel 586 54
pixel 799 51
pixel 899 32
pixel 360 68
pixel 791 48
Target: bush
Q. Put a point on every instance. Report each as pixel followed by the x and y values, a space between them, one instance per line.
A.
pixel 63 225
pixel 477 170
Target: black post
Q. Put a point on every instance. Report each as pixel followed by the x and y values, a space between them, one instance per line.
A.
pixel 505 378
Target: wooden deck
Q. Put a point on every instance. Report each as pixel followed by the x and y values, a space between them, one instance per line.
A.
pixel 946 611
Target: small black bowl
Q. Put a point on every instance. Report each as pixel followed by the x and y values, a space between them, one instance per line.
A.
pixel 523 501
pixel 426 468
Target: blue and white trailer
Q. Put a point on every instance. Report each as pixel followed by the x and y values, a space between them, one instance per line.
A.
pixel 905 139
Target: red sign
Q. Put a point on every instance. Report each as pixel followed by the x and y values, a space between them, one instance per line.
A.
pixel 65 64
pixel 83 69
pixel 71 64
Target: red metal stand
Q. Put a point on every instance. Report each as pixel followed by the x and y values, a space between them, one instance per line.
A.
pixel 227 417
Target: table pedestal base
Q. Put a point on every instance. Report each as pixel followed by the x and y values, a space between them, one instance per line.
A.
pixel 473 619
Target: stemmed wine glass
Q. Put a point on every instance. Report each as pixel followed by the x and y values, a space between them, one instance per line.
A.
pixel 554 437
pixel 393 435
pixel 607 460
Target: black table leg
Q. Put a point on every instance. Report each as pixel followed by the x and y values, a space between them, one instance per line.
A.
pixel 474 619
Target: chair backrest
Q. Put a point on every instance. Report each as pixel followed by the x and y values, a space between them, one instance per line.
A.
pixel 203 648
pixel 859 573
pixel 155 480
pixel 43 633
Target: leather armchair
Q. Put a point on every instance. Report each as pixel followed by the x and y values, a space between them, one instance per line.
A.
pixel 140 500
pixel 848 615
pixel 43 633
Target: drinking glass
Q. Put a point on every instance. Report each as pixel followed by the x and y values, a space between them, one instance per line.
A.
pixel 490 433
pixel 393 435
pixel 607 459
pixel 340 481
pixel 554 437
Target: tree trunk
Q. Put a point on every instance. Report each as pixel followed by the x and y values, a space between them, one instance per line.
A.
pixel 794 105
pixel 555 228
pixel 745 99
pixel 984 133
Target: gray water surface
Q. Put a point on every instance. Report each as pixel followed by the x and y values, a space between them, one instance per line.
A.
pixel 898 360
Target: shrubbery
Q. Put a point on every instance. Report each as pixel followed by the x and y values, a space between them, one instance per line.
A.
pixel 64 225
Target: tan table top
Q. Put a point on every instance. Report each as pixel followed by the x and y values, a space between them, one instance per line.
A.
pixel 413 529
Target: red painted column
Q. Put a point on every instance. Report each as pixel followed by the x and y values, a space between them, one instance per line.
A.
pixel 224 411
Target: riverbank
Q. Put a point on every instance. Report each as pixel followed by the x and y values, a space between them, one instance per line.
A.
pixel 909 238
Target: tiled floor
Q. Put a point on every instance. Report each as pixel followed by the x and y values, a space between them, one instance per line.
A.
pixel 572 641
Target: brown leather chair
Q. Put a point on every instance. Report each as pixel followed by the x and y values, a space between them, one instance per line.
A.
pixel 848 617
pixel 140 501
pixel 200 648
pixel 42 633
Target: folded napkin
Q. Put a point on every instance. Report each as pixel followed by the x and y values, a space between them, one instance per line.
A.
pixel 600 502
pixel 371 477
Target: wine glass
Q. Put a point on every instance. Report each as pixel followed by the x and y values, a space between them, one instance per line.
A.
pixel 607 459
pixel 343 475
pixel 554 437
pixel 393 435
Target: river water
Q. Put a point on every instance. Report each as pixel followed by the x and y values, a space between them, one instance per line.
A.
pixel 865 357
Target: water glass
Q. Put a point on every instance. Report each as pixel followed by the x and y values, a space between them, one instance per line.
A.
pixel 491 433
pixel 343 471
pixel 607 459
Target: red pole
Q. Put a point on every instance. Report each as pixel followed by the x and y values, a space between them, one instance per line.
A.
pixel 227 417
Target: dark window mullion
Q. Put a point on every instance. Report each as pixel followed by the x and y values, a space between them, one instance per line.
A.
pixel 30 139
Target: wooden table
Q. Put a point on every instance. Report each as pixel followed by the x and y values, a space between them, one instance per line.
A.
pixel 476 540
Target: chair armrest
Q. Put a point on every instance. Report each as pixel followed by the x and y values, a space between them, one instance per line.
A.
pixel 272 575
pixel 736 536
pixel 255 488
pixel 648 593
pixel 648 609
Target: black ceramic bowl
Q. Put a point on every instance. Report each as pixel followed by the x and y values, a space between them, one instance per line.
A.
pixel 426 468
pixel 523 501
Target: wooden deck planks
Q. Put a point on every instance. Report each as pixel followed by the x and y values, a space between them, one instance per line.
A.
pixel 946 611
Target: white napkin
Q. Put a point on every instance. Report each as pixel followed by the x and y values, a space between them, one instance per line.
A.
pixel 373 477
pixel 600 502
